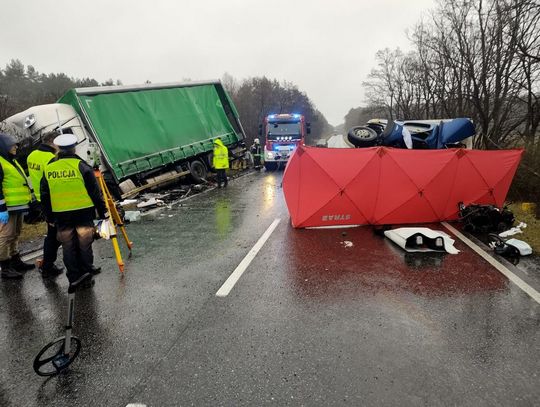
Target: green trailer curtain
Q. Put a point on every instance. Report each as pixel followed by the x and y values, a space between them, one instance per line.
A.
pixel 144 129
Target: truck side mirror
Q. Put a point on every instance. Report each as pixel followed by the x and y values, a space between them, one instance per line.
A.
pixel 308 128
pixel 260 129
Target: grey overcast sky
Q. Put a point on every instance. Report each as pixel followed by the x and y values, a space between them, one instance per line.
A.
pixel 325 47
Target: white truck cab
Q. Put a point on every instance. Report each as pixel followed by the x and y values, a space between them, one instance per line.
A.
pixel 63 118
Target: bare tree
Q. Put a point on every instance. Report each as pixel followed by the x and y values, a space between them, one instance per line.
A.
pixel 474 58
pixel 260 96
pixel 229 83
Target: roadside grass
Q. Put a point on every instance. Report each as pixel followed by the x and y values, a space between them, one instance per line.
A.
pixel 531 234
pixel 33 232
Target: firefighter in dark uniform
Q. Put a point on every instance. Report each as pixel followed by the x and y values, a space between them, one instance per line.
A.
pixel 70 196
pixel 36 163
pixel 257 153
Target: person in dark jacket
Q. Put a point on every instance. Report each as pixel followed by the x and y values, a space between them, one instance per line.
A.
pixel 70 196
pixel 36 163
pixel 257 153
pixel 15 196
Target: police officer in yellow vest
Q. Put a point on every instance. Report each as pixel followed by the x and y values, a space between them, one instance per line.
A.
pixel 36 163
pixel 14 199
pixel 220 162
pixel 70 196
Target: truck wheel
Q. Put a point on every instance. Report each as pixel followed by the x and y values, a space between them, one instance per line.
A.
pixel 271 166
pixel 198 171
pixel 113 187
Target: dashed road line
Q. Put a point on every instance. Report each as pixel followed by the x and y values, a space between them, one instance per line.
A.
pixel 32 255
pixel 244 264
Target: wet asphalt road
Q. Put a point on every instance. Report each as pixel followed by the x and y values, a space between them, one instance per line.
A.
pixel 311 321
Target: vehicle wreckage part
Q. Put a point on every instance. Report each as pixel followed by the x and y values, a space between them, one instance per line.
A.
pixel 173 176
pixel 421 240
pixel 511 248
pixel 531 292
pixel 421 134
pixel 514 231
pixel 127 186
pixel 363 136
pixel 507 251
pixel 478 218
pixel 524 248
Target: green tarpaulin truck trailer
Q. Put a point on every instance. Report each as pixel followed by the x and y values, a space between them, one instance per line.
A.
pixel 143 134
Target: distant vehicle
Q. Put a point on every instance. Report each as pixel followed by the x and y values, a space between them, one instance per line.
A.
pixel 416 134
pixel 338 141
pixel 142 135
pixel 283 133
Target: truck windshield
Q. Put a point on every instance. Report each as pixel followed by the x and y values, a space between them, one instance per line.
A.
pixel 279 129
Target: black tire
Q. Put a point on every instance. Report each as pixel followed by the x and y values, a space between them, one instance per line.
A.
pixel 362 136
pixel 198 171
pixel 495 238
pixel 469 228
pixel 271 166
pixel 112 186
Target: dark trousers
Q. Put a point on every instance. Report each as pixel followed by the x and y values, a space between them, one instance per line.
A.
pixel 256 160
pixel 222 177
pixel 76 243
pixel 50 247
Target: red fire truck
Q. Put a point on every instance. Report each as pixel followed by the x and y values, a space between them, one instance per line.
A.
pixel 282 134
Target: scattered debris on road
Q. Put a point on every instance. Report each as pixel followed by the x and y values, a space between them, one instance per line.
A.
pixel 422 240
pixel 514 231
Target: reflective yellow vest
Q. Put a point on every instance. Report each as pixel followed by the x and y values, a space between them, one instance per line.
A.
pixel 14 185
pixel 36 162
pixel 66 185
pixel 221 156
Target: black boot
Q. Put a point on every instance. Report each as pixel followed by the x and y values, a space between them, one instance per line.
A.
pixel 52 271
pixel 95 270
pixel 82 283
pixel 8 271
pixel 19 265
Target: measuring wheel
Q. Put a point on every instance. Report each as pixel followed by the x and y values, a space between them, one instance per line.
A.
pixel 57 355
pixel 53 359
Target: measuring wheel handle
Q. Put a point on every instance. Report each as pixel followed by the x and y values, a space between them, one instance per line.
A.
pixel 49 363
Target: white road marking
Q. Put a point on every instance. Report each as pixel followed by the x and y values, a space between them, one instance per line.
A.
pixel 246 261
pixel 136 405
pixel 32 255
pixel 535 295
